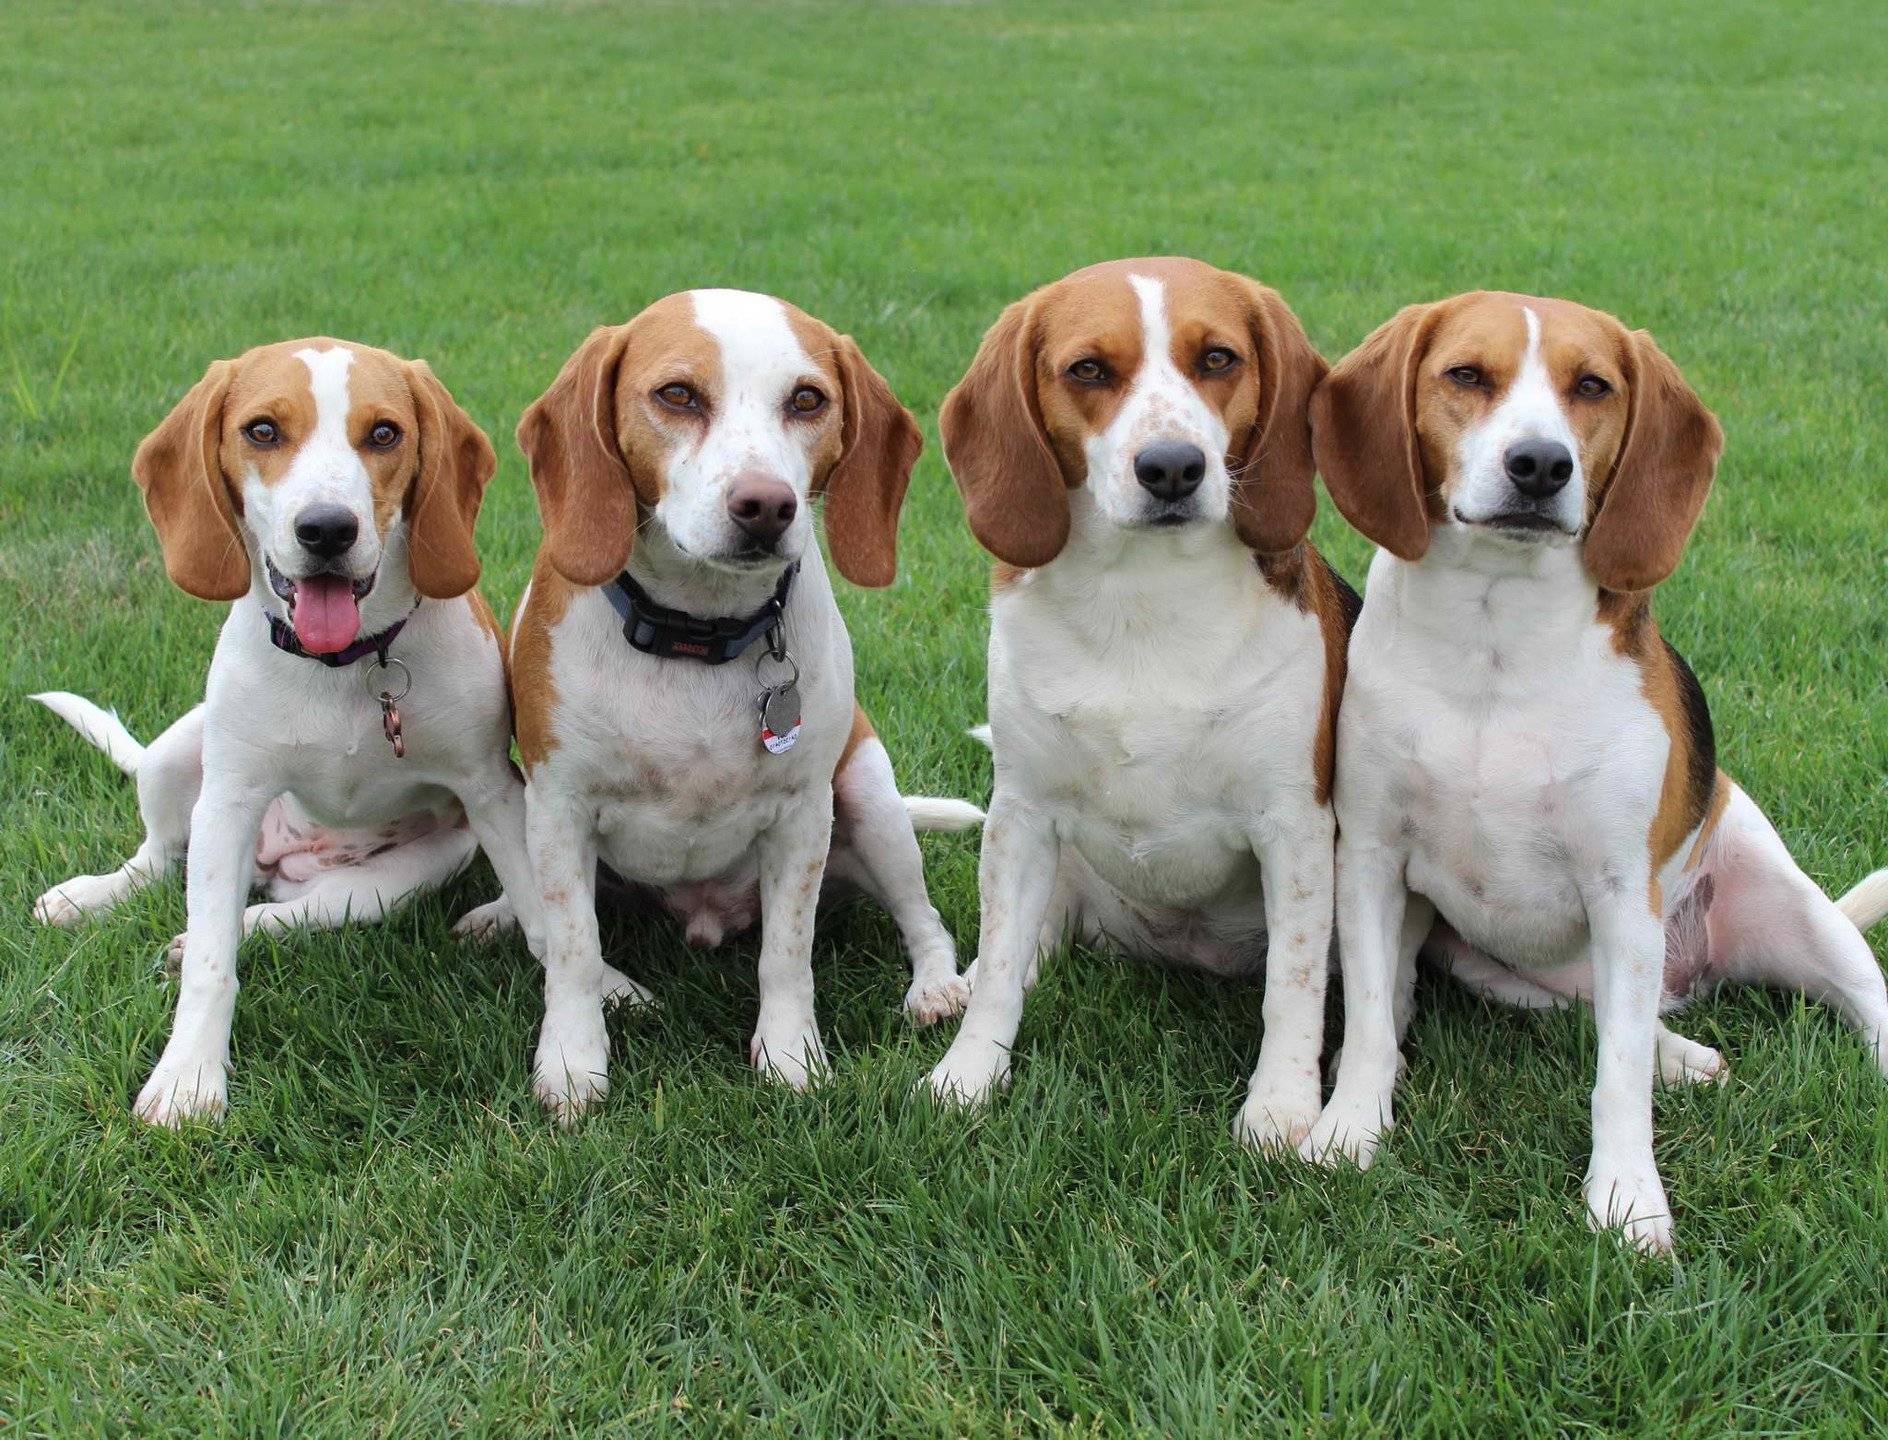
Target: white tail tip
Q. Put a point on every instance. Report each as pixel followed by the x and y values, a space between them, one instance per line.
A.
pixel 1867 902
pixel 931 812
pixel 981 734
pixel 102 727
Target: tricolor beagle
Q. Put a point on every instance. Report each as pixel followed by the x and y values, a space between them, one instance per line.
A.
pixel 332 489
pixel 1523 762
pixel 1166 653
pixel 684 704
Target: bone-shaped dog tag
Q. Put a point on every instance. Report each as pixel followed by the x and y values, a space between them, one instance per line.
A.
pixel 780 717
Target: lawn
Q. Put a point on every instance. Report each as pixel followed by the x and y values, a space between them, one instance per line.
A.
pixel 385 1237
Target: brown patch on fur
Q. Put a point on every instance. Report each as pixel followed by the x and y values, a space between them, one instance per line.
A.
pixel 1015 426
pixel 1687 798
pixel 1304 578
pixel 533 696
pixel 861 732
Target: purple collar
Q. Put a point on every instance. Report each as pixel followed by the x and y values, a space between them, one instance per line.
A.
pixel 282 636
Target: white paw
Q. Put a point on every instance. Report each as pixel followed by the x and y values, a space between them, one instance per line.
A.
pixel 619 989
pixel 1349 1129
pixel 790 1054
pixel 1632 1201
pixel 932 999
pixel 68 903
pixel 183 1090
pixel 1276 1118
pixel 55 907
pixel 1685 1062
pixel 483 923
pixel 573 1061
pixel 971 1072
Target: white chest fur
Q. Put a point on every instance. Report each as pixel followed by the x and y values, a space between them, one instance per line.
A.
pixel 1493 734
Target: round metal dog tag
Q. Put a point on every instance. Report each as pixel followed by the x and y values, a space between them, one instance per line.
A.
pixel 780 717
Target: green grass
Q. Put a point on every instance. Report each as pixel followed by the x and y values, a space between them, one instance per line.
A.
pixel 386 1238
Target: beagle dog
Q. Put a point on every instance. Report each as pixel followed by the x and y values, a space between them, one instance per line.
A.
pixel 681 676
pixel 352 746
pixel 1166 653
pixel 1526 779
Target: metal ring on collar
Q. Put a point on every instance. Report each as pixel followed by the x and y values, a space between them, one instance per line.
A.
pixel 390 663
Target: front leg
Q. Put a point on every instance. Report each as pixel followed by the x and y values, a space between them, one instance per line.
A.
pixel 495 808
pixel 190 1080
pixel 792 855
pixel 572 1066
pixel 1297 863
pixel 1016 875
pixel 1623 1188
pixel 1371 900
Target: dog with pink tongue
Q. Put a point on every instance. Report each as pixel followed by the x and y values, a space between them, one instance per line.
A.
pixel 353 745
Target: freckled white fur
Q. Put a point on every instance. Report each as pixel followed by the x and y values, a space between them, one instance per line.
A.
pixel 658 768
pixel 1499 767
pixel 285 764
pixel 1153 713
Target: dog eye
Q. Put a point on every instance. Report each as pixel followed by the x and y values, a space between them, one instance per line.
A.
pixel 384 436
pixel 1217 359
pixel 1088 372
pixel 262 432
pixel 807 401
pixel 678 396
pixel 1593 387
pixel 1465 375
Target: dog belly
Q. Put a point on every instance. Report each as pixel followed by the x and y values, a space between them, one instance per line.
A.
pixel 1197 905
pixel 649 845
pixel 292 845
pixel 1527 921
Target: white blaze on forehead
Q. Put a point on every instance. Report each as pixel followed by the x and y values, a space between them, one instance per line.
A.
pixel 327 377
pixel 758 346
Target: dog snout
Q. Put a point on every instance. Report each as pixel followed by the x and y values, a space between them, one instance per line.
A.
pixel 1170 469
pixel 762 508
pixel 327 531
pixel 1538 468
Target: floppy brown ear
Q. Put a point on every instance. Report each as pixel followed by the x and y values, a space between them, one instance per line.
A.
pixel 1666 461
pixel 1363 434
pixel 585 496
pixel 456 464
pixel 998 451
pixel 1273 499
pixel 179 469
pixel 880 443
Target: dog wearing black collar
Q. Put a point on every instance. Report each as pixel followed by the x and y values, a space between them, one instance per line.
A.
pixel 352 746
pixel 681 676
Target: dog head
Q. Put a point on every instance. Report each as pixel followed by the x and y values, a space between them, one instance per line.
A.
pixel 719 415
pixel 1173 393
pixel 312 465
pixel 1518 422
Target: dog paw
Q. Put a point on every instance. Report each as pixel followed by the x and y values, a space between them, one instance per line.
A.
pixel 619 989
pixel 790 1054
pixel 931 1000
pixel 970 1073
pixel 182 1091
pixel 1632 1201
pixel 572 1069
pixel 484 923
pixel 1686 1062
pixel 1347 1130
pixel 1276 1119
pixel 56 907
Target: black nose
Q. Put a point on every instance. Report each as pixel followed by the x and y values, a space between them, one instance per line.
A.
pixel 326 530
pixel 1538 468
pixel 763 507
pixel 1170 469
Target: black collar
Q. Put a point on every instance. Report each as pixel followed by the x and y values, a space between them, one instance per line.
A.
pixel 282 636
pixel 675 634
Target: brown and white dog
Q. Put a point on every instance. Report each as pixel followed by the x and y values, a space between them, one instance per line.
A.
pixel 1523 762
pixel 701 431
pixel 1166 653
pixel 332 489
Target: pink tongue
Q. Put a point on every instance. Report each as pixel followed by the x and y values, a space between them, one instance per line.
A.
pixel 324 614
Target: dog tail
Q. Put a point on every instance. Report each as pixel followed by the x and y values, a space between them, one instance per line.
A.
pixel 933 812
pixel 102 727
pixel 981 734
pixel 1867 902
